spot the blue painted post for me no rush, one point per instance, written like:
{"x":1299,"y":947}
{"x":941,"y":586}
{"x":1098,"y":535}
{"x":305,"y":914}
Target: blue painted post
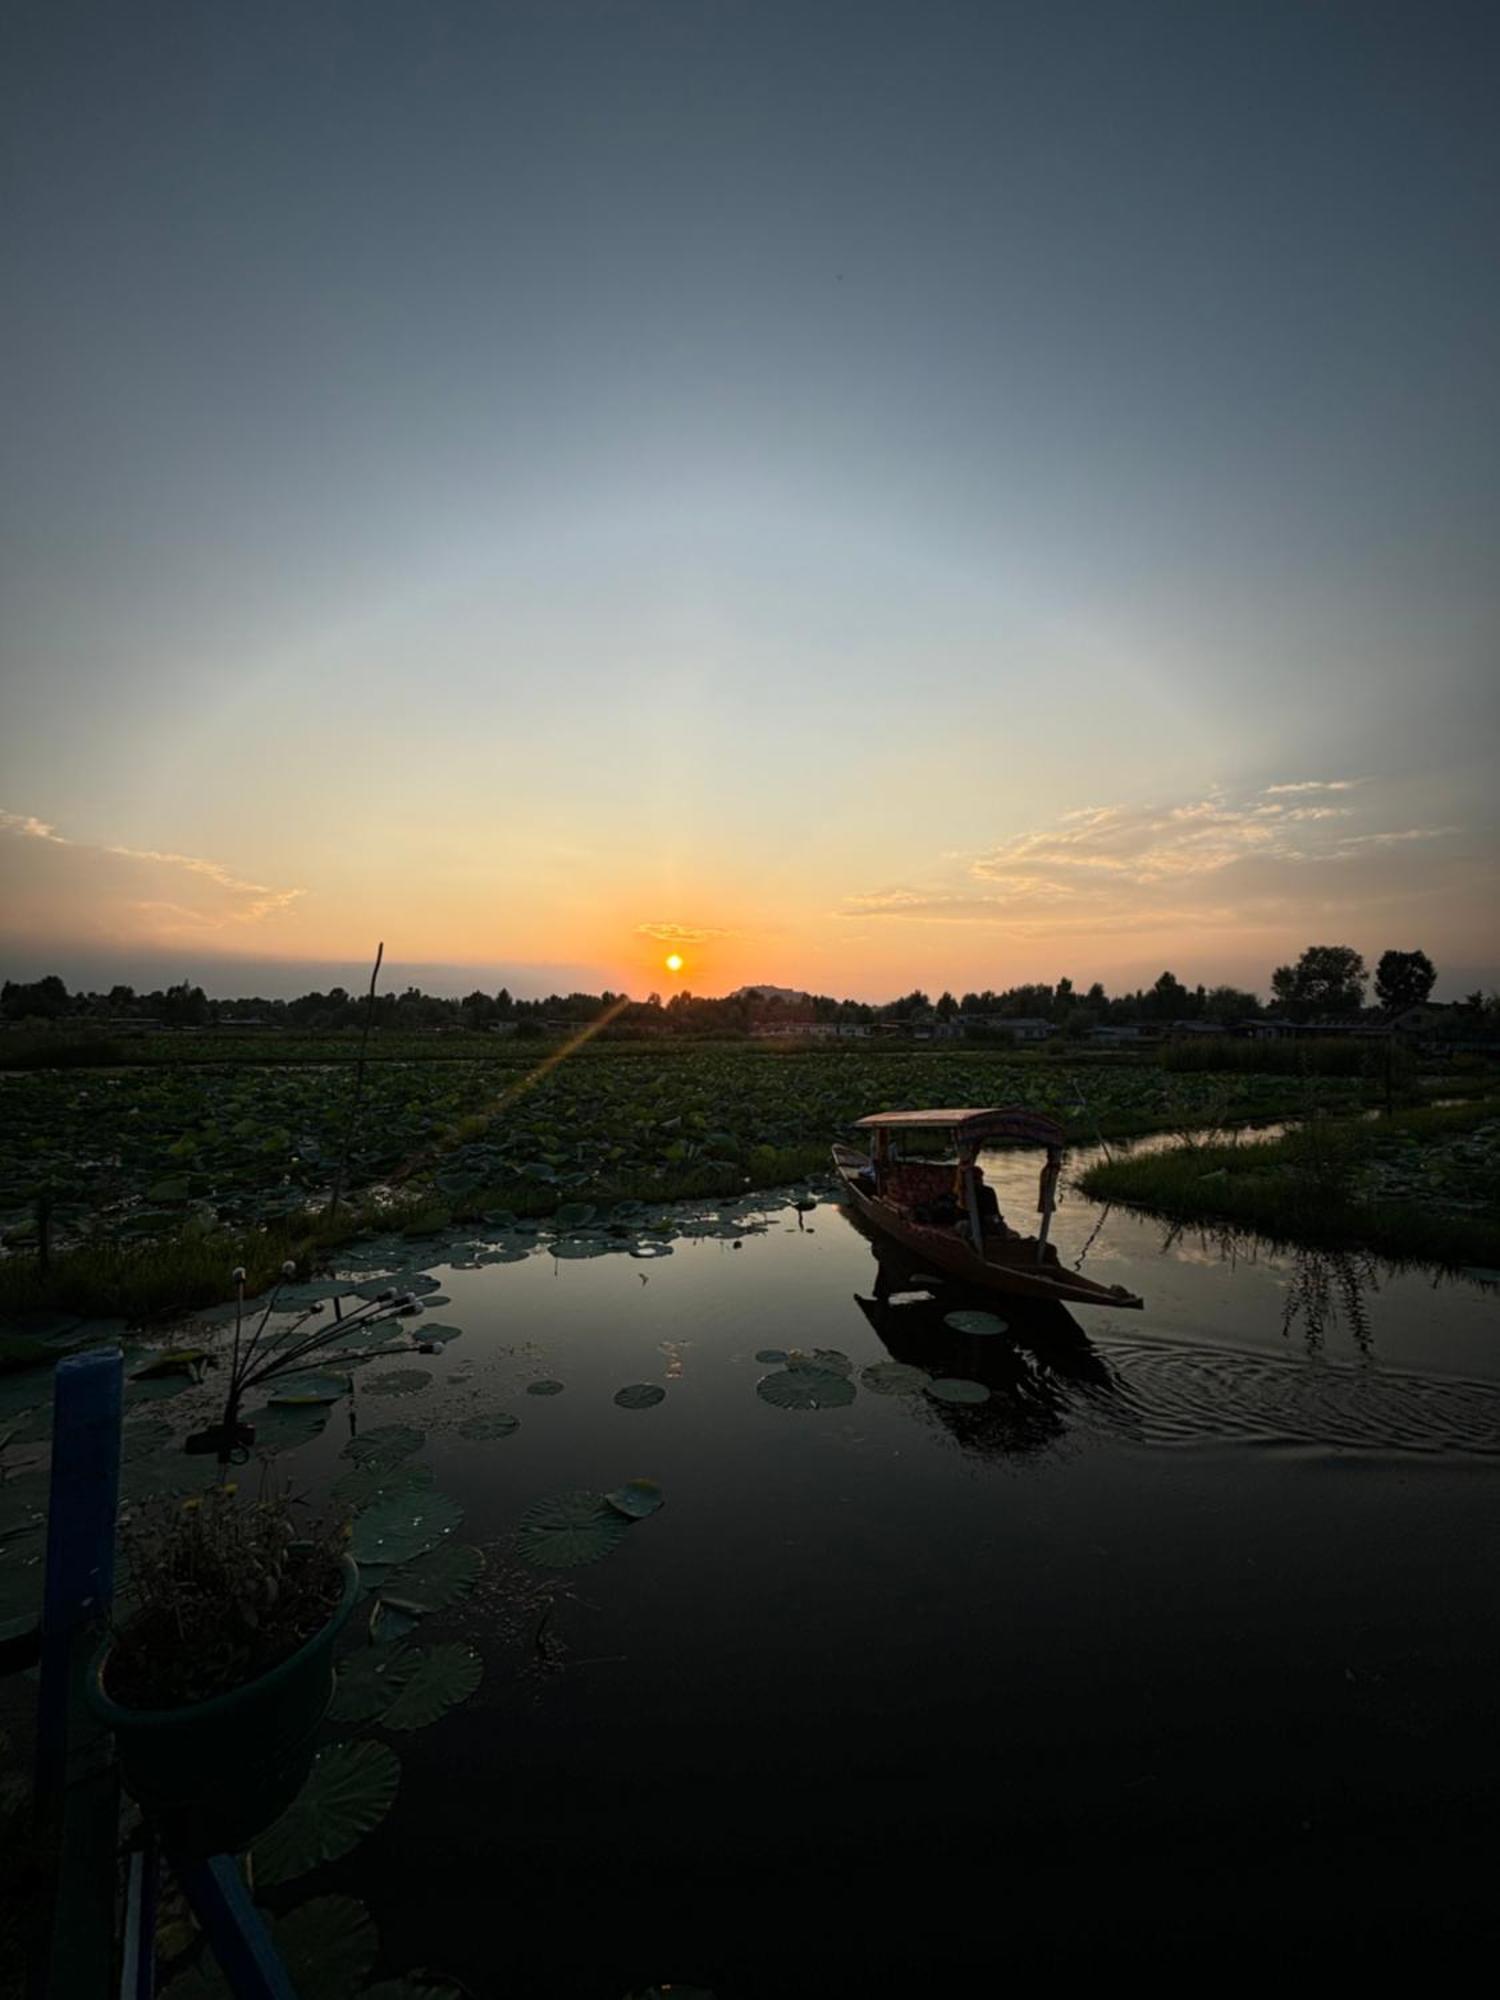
{"x":87,"y":1395}
{"x":233,"y":1926}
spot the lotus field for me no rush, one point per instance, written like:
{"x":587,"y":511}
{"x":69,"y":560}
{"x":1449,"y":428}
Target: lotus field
{"x":144,"y":1153}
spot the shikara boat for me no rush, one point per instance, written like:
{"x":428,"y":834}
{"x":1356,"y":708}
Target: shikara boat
{"x":920,"y":1184}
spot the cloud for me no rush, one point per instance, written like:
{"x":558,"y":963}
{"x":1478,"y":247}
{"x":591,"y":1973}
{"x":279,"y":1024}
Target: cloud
{"x":73,"y":888}
{"x":1259,"y":860}
{"x":1316,"y":785}
{"x":680,"y":933}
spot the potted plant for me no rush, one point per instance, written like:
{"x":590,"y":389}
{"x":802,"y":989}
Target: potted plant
{"x":217,"y":1676}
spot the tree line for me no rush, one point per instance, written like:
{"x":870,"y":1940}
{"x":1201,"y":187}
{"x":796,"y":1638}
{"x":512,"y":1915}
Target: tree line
{"x":1328,"y":982}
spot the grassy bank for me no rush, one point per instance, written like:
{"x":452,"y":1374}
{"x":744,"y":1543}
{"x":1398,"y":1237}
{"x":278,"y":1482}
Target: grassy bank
{"x":1422,"y":1185}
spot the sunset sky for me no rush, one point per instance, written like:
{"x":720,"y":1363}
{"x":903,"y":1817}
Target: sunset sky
{"x":856,"y":495}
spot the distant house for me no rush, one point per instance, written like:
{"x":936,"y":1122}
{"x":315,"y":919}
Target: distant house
{"x":503,"y":1027}
{"x":1267,"y":1028}
{"x":805,"y":1031}
{"x":1127,"y":1034}
{"x":1187,"y":1030}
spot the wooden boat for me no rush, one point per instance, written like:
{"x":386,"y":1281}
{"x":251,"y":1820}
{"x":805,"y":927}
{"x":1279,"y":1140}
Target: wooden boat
{"x":921,"y":1185}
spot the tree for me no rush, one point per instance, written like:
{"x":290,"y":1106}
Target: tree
{"x":1328,"y":979}
{"x":1403,"y":979}
{"x":1168,"y":999}
{"x":947,"y":1007}
{"x":43,"y":1000}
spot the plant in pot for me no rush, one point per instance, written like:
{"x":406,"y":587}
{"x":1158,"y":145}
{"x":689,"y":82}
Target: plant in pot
{"x":218,"y":1673}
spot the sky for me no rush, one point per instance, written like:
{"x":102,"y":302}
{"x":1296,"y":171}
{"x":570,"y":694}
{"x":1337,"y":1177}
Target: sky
{"x":853,"y":495}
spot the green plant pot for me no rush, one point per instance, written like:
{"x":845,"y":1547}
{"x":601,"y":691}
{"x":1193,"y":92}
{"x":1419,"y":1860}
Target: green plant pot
{"x":213,"y":1775}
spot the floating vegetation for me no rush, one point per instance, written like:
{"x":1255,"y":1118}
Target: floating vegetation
{"x":803,"y":1386}
{"x":440,"y":1678}
{"x":957,"y":1389}
{"x":293,"y":1391}
{"x":351,"y":1788}
{"x":636,"y":1499}
{"x":546,"y":1387}
{"x":369,"y":1681}
{"x":398,"y":1526}
{"x":433,"y":1581}
{"x":569,"y":1530}
{"x":894,"y":1378}
{"x":489,"y":1424}
{"x":980,"y":1324}
{"x":770,"y":1357}
{"x":640,"y":1395}
{"x":397,"y":1382}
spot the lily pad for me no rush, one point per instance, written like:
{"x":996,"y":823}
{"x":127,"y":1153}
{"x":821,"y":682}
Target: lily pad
{"x":435,"y":1330}
{"x":363,"y":1484}
{"x":389,"y":1442}
{"x":980,"y":1323}
{"x":957,"y":1389}
{"x":369,"y":1682}
{"x":489,"y":1424}
{"x":569,"y":1530}
{"x":296,"y":1390}
{"x":283,"y":1426}
{"x":894,"y":1378}
{"x":399,"y":1526}
{"x":833,"y":1359}
{"x":184,"y":1361}
{"x":574,"y":1215}
{"x":546,"y":1387}
{"x":771,"y":1357}
{"x":636,"y":1499}
{"x":350,"y":1790}
{"x":434,"y":1581}
{"x":397,"y":1382}
{"x":328,"y":1947}
{"x":801,"y":1387}
{"x":443,"y":1677}
{"x":640,"y":1395}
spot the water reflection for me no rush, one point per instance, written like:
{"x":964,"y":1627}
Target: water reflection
{"x":1029,"y":1370}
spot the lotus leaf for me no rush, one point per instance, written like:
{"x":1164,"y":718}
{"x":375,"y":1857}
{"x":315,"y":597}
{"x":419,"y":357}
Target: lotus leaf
{"x":569,"y":1530}
{"x":489,"y":1424}
{"x":639,"y":1395}
{"x":398,"y":1382}
{"x":956,"y":1389}
{"x":399,"y":1526}
{"x":439,"y":1578}
{"x":982,"y":1324}
{"x":351,"y":1788}
{"x":293,"y":1391}
{"x":545,"y":1387}
{"x":443,"y":1677}
{"x":368,"y":1682}
{"x":636,"y":1498}
{"x":802,"y":1387}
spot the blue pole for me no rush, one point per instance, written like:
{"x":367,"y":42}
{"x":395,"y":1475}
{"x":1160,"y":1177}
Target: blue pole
{"x":87,"y":1395}
{"x":234,"y":1929}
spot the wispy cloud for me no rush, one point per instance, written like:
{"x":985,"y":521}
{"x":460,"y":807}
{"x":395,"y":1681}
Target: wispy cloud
{"x":680,"y":933}
{"x":111,"y":876}
{"x":1254,"y":860}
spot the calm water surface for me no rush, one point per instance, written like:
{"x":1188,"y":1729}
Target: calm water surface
{"x":1179,"y":1652}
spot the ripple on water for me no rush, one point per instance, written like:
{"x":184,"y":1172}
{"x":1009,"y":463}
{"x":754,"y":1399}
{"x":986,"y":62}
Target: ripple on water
{"x":1169,"y":1395}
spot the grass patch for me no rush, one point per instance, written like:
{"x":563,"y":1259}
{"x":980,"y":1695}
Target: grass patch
{"x":1342,"y":1182}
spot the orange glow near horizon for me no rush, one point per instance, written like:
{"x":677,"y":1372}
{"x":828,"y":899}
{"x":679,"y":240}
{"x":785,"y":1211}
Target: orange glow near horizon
{"x":673,"y":961}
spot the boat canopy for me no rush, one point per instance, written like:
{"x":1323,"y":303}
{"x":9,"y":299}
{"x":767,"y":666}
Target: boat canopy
{"x":972,"y":1128}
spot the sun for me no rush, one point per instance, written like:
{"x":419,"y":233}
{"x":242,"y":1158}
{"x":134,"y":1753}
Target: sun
{"x":673,"y":961}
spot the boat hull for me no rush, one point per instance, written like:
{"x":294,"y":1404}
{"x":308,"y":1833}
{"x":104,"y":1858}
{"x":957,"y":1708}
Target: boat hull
{"x":1012,"y":1267}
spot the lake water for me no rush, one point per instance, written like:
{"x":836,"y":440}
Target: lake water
{"x":1178,"y":1652}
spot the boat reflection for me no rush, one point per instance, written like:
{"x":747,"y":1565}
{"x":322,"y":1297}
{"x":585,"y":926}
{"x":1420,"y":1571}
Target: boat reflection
{"x":1034,"y":1371}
